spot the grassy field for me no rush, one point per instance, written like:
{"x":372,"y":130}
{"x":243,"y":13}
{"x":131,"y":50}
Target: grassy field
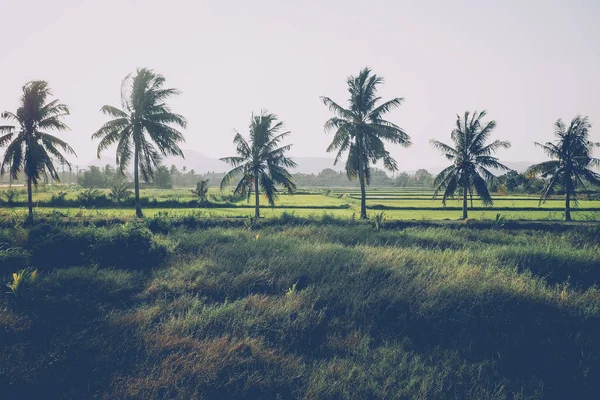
{"x":401,"y":204}
{"x":314,"y":310}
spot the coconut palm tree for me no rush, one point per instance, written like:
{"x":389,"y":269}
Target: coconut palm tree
{"x":30,"y":148}
{"x":471,"y":159}
{"x":143,"y":128}
{"x":572,"y":161}
{"x":260,"y":162}
{"x":361,"y":130}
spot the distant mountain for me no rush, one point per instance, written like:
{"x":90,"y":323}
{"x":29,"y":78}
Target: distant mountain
{"x":193,"y":160}
{"x":314,"y":165}
{"x":306,"y":165}
{"x":202,"y":164}
{"x":196,"y":161}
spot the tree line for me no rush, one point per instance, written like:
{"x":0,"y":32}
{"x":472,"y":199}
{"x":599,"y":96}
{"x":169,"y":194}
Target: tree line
{"x":145,"y":129}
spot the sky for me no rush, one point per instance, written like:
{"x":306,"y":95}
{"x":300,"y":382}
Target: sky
{"x":527,"y":63}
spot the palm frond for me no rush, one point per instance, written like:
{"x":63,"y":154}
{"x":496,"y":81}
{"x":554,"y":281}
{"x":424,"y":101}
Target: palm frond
{"x":384,"y":108}
{"x":338,"y":110}
{"x":114,"y":112}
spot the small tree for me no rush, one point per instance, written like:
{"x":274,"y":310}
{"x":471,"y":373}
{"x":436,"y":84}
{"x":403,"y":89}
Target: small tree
{"x":162,"y":178}
{"x":201,"y":191}
{"x":10,"y":195}
{"x":120,"y":192}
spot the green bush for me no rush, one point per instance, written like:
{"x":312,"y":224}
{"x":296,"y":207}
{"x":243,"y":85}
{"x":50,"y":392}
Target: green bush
{"x":125,"y":246}
{"x":11,"y":260}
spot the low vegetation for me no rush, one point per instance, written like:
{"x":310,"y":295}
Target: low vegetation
{"x":295,"y":308}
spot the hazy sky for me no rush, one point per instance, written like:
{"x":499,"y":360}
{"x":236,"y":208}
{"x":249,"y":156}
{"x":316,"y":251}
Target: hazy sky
{"x":526,"y":62}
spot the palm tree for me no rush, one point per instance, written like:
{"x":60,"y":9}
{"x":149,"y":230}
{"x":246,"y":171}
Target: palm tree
{"x":30,"y":148}
{"x":143,"y":128}
{"x":471,"y":160}
{"x":571,"y":163}
{"x":260,"y":162}
{"x":119,"y":192}
{"x":361,"y":130}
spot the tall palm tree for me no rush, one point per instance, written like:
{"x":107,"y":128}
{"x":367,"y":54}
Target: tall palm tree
{"x":30,"y":148}
{"x":260,"y":162}
{"x":471,"y":160}
{"x":143,"y":129}
{"x":361,"y":130}
{"x":571,"y":163}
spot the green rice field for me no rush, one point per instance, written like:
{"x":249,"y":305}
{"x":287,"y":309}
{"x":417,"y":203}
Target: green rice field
{"x":396,"y":204}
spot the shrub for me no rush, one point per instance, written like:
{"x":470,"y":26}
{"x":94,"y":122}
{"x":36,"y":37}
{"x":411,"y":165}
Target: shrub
{"x":21,"y":280}
{"x":201,"y":190}
{"x":59,"y":199}
{"x":126,"y":246}
{"x":120,"y":192}
{"x":12,"y":259}
{"x":10,"y":195}
{"x":88,"y":196}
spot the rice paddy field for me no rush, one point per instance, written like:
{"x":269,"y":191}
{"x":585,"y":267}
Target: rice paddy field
{"x":397,"y":204}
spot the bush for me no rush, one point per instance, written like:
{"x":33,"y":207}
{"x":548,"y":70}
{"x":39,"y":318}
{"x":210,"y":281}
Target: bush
{"x":126,"y":246}
{"x":11,"y":260}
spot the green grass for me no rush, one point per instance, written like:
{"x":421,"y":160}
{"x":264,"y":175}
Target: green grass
{"x":270,"y":213}
{"x":312,"y":310}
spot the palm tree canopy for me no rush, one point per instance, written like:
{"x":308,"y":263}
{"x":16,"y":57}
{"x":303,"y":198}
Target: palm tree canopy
{"x":572,"y":160}
{"x":261,"y":158}
{"x":144,"y":122}
{"x":361,"y":128}
{"x":471,"y":158}
{"x":30,"y":147}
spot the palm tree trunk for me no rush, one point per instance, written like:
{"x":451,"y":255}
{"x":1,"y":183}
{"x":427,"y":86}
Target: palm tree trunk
{"x":465,"y":203}
{"x":257,"y":198}
{"x":136,"y":184}
{"x":568,"y":206}
{"x":471,"y":196}
{"x":363,"y":195}
{"x":29,"y":200}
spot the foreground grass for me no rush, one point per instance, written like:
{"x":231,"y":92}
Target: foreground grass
{"x":312,"y":311}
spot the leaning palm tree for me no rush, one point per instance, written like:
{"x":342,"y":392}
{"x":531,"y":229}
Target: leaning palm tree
{"x":572,"y":161}
{"x":361,"y":130}
{"x":30,"y":148}
{"x":471,"y":160}
{"x":260,"y":162}
{"x":143,"y":128}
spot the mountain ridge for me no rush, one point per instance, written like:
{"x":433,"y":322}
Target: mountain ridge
{"x":201,"y":163}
